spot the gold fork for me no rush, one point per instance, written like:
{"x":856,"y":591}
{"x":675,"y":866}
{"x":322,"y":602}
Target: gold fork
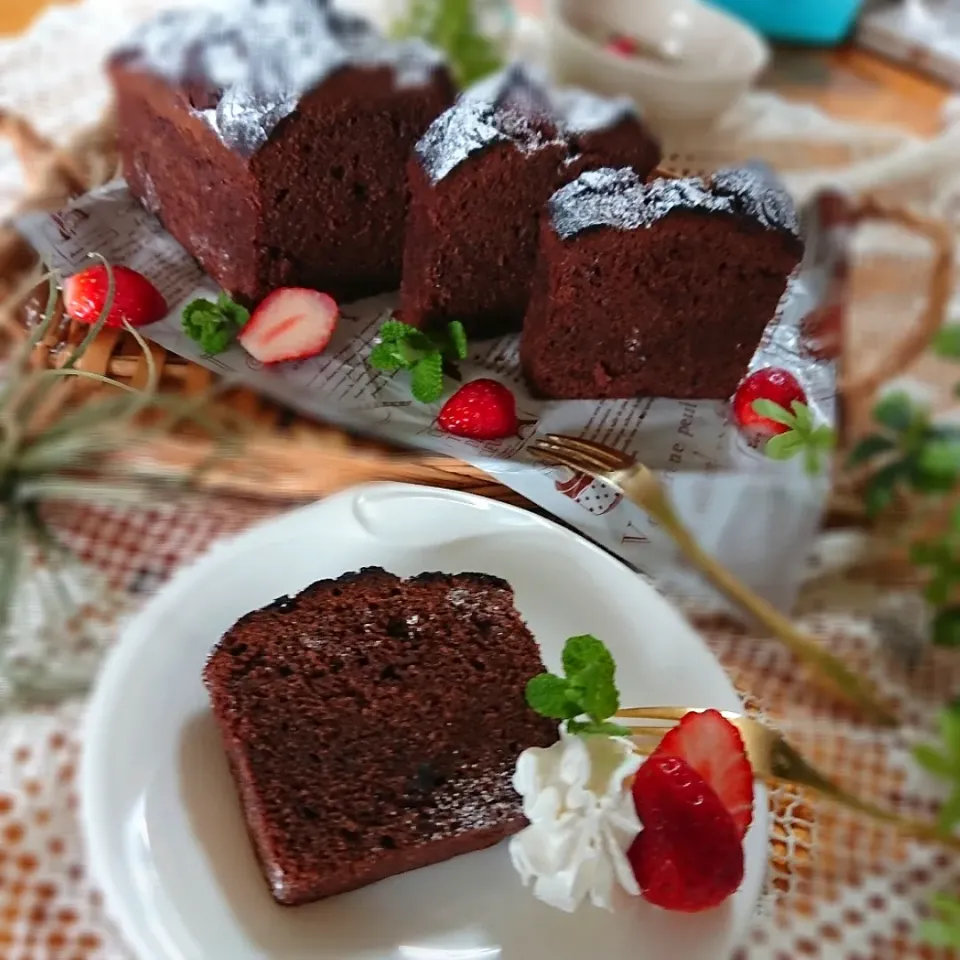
{"x":641,"y":486}
{"x":772,"y":758}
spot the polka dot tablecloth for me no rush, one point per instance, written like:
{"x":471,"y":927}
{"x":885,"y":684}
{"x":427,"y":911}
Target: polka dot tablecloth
{"x":839,"y":886}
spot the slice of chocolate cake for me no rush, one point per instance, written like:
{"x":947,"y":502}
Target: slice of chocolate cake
{"x":479,"y":180}
{"x":271,"y":138}
{"x":660,"y":289}
{"x":372,"y":725}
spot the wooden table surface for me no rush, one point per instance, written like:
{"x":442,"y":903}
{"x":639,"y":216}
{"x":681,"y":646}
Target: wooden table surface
{"x":850,"y":83}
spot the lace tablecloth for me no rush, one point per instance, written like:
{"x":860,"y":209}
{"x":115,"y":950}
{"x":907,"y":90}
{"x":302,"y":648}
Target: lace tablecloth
{"x":839,"y":887}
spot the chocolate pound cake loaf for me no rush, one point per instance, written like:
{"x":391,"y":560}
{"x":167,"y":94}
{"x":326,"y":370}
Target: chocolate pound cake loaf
{"x":373,"y":724}
{"x":479,"y":180}
{"x":271,"y":138}
{"x":658,"y":289}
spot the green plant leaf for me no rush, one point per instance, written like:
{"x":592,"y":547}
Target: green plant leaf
{"x":803,"y":416}
{"x":870,"y":447}
{"x":550,"y":696}
{"x":881,"y":488}
{"x":599,"y":696}
{"x":426,"y":379}
{"x":947,"y":342}
{"x":941,"y":458}
{"x":385,"y":356}
{"x":939,"y":933}
{"x":783,"y":446}
{"x":773,"y":411}
{"x":583,"y":651}
{"x":895,"y":411}
{"x":590,"y":728}
{"x":458,"y":339}
{"x":949,"y":814}
{"x":933,"y":761}
{"x":946,"y":627}
{"x":213,"y":325}
{"x":949,"y":720}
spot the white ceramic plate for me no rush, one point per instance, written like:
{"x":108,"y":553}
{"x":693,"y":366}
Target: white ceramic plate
{"x":165,"y":836}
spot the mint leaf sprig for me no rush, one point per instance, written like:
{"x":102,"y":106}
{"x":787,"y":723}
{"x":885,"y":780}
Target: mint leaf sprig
{"x":214,"y":325}
{"x":402,"y":347}
{"x":587,"y":691}
{"x":454,"y":27}
{"x":804,"y":436}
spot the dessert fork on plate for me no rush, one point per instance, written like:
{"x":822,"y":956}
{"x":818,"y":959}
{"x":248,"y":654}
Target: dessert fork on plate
{"x":641,"y":486}
{"x":772,"y":758}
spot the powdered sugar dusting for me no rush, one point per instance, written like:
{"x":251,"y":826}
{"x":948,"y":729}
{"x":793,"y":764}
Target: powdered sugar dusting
{"x":246,"y":64}
{"x":518,"y":106}
{"x":478,"y":797}
{"x":620,"y":199}
{"x":583,"y":112}
{"x":470,"y":126}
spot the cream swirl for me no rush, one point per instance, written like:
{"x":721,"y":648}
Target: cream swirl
{"x":582,"y":820}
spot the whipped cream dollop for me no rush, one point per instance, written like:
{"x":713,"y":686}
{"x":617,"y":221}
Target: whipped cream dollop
{"x":582,"y":820}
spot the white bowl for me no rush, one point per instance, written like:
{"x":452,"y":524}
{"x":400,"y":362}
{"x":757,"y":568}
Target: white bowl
{"x":711,"y":58}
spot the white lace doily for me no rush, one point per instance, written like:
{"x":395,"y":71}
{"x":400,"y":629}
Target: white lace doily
{"x":839,"y":888}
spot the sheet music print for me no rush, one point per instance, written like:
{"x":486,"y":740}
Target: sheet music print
{"x":717,"y":480}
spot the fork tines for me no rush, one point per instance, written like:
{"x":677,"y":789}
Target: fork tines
{"x":583,"y":455}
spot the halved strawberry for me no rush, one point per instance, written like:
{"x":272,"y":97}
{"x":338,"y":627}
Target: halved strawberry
{"x":291,"y":324}
{"x":714,"y":748}
{"x":688,"y":856}
{"x":135,"y":299}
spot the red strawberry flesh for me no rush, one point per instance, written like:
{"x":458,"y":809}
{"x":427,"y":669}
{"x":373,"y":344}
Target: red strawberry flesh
{"x":293,"y":323}
{"x":770,"y":383}
{"x":714,"y":748}
{"x":136,"y":300}
{"x":622,"y":46}
{"x":480,"y":410}
{"x":688,"y":857}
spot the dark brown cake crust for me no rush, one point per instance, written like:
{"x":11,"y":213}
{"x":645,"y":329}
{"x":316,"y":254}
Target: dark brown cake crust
{"x":373,"y":724}
{"x":479,"y":181}
{"x":660,"y":289}
{"x":275,"y":150}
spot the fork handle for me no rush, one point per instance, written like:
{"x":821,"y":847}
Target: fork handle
{"x":855,"y":689}
{"x":909,"y":827}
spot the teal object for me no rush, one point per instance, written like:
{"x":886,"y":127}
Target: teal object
{"x":821,"y":22}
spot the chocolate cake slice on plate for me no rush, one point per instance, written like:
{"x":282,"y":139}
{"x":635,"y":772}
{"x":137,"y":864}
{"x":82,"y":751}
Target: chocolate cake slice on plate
{"x":479,"y":180}
{"x":659,"y":289}
{"x":271,"y":138}
{"x":372,"y":725}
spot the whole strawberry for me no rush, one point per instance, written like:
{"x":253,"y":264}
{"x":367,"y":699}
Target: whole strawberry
{"x":480,"y":410}
{"x":688,"y":857}
{"x":135,"y":299}
{"x":773,"y":384}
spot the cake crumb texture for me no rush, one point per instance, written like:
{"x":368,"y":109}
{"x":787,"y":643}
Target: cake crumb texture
{"x":373,"y":724}
{"x":659,"y":289}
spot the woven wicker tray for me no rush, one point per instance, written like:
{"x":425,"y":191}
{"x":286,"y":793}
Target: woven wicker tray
{"x":290,"y":457}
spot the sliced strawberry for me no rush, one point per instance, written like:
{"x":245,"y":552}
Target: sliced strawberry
{"x":688,"y":856}
{"x":291,"y":324}
{"x":135,"y":299}
{"x":714,"y":748}
{"x":771,"y":383}
{"x":480,"y":410}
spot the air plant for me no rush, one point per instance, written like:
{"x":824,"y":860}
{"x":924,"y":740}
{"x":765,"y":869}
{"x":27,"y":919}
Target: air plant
{"x":60,"y":444}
